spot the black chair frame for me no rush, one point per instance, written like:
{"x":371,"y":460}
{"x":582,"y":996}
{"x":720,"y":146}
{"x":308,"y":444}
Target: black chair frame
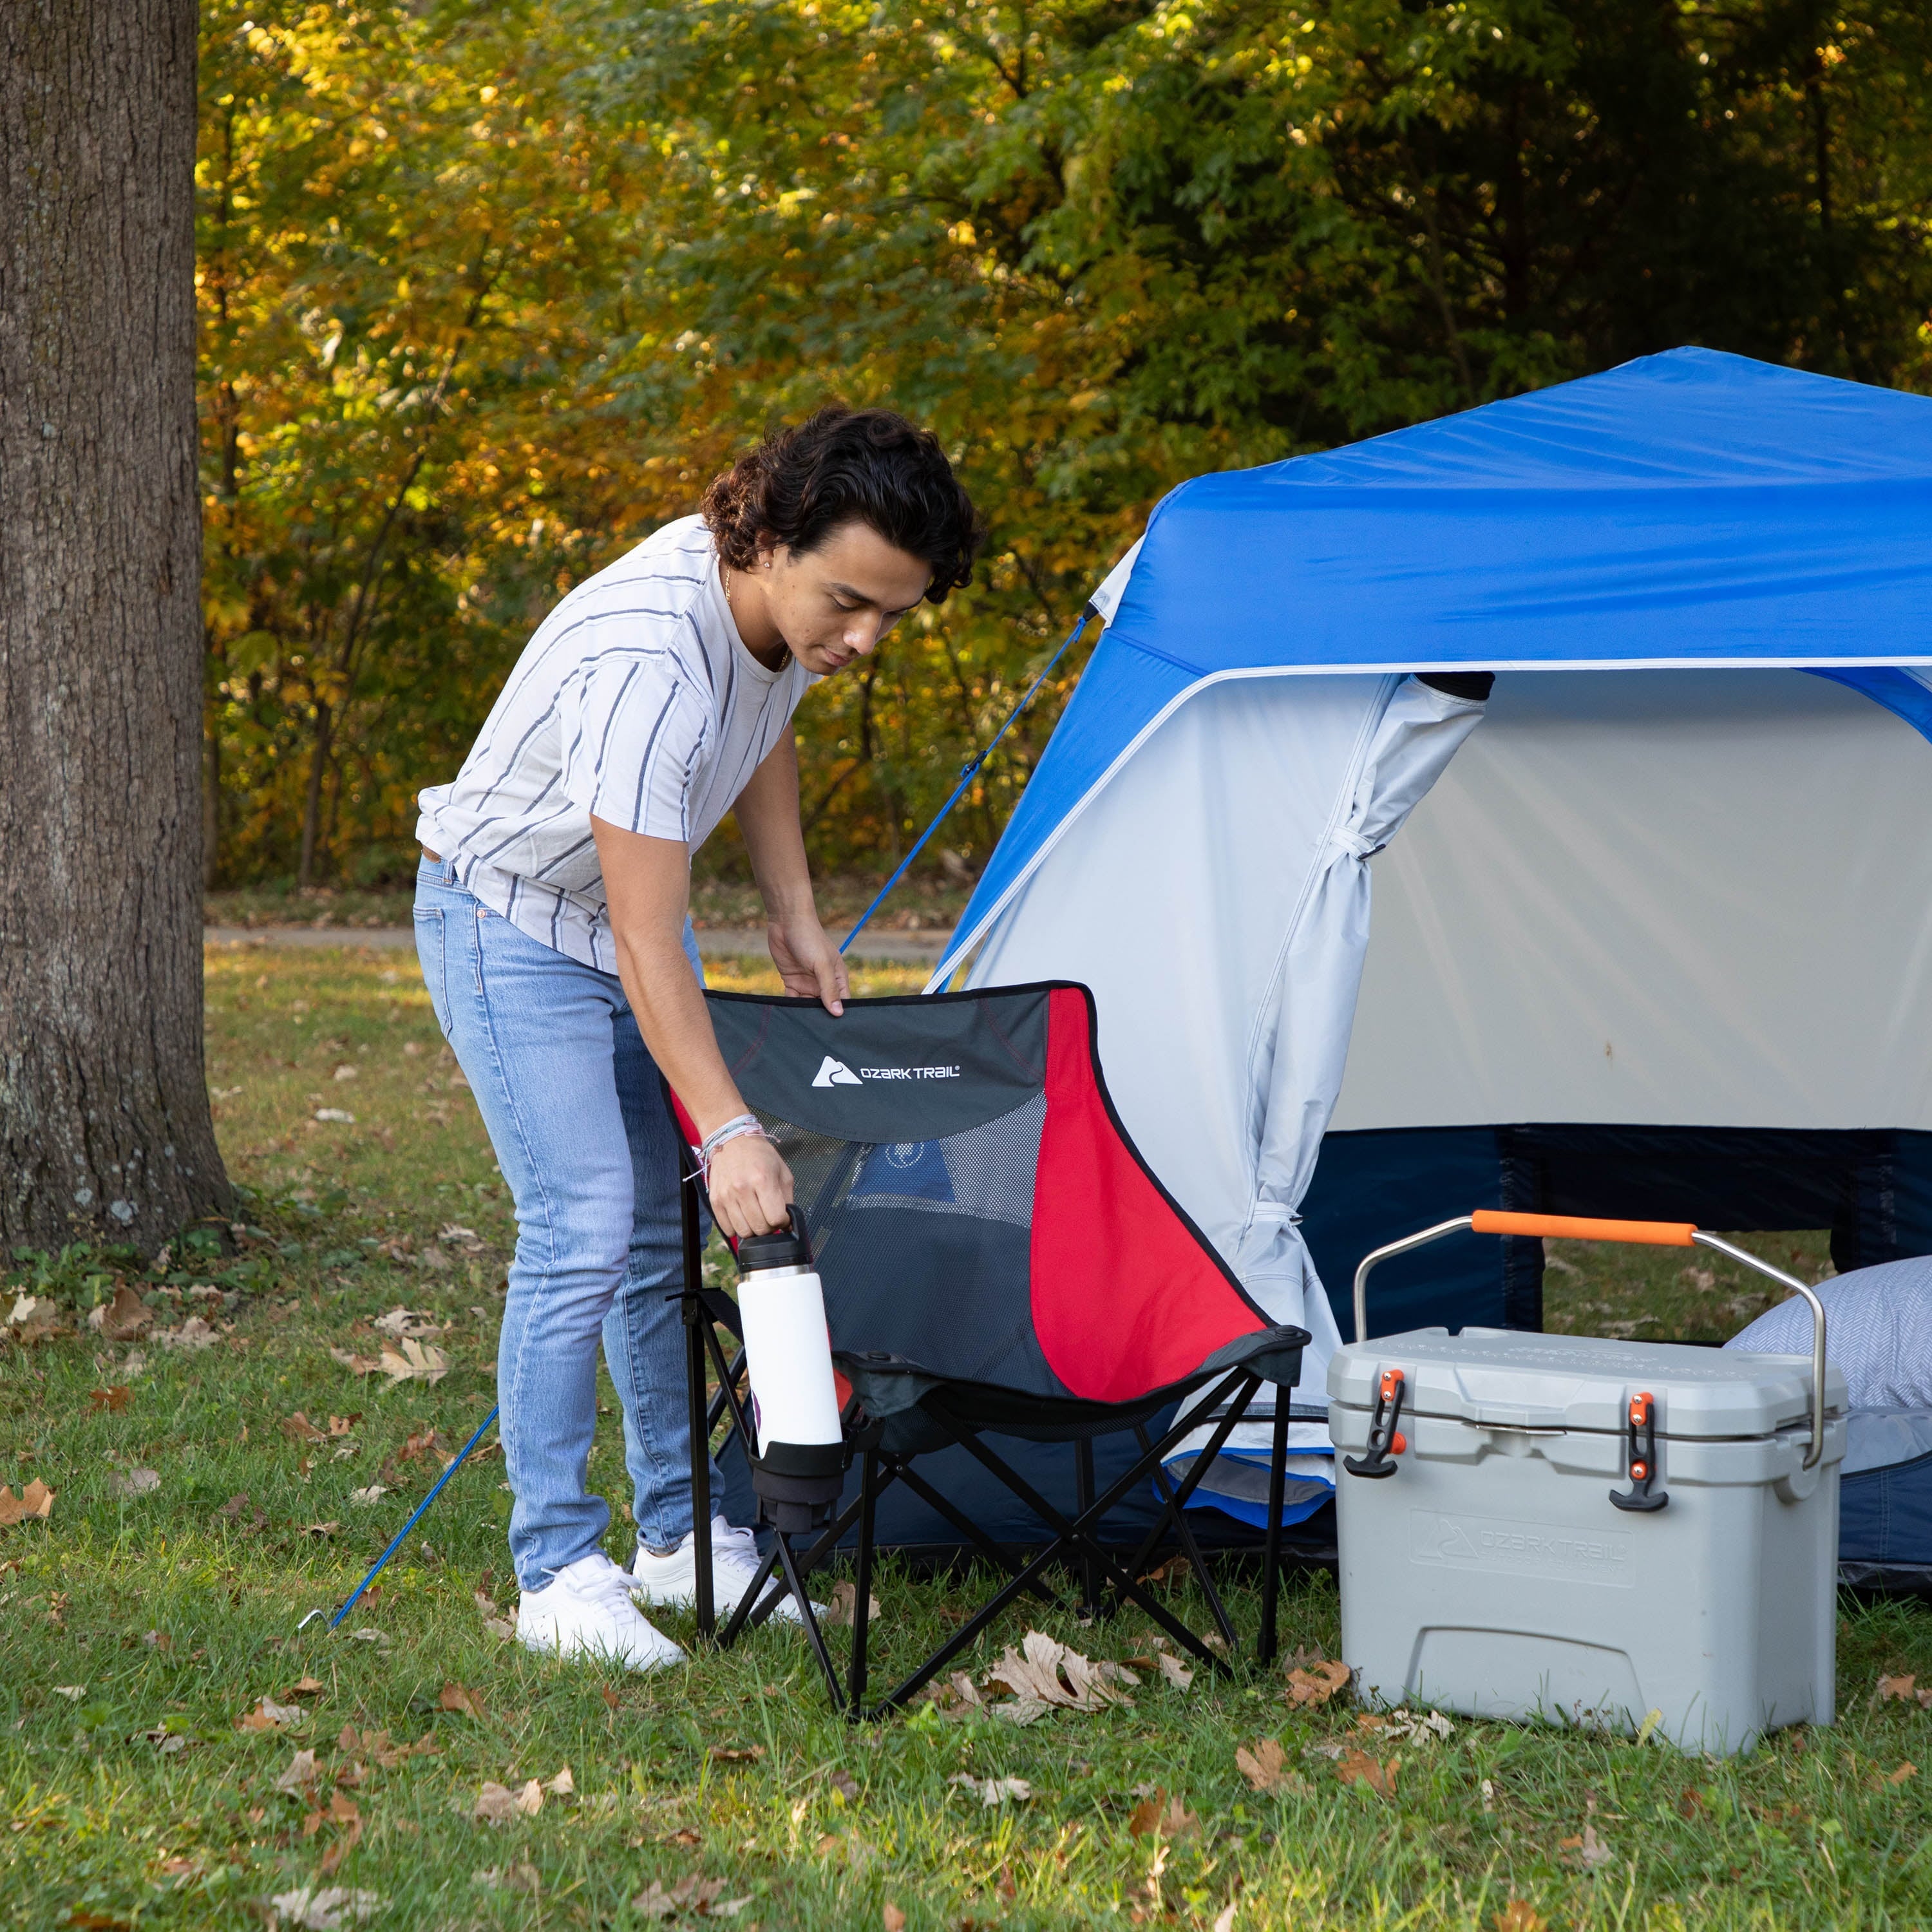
{"x":1105,"y":1582}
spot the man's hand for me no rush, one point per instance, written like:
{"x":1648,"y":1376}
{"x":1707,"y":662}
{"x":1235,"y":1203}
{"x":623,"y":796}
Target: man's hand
{"x":751,"y":1186}
{"x":809,"y":963}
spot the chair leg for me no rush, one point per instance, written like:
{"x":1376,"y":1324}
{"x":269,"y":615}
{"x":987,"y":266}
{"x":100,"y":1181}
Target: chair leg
{"x":862,"y":1600}
{"x":1083,"y":1490}
{"x":815,"y":1635}
{"x":699,"y":1418}
{"x":1190,"y":1549}
{"x":1265,"y":1641}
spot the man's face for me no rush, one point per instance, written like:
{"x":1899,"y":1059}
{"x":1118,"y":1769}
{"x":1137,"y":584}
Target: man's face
{"x":832,"y":604}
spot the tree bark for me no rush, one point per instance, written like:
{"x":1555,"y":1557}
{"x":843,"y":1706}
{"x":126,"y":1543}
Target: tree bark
{"x":105,"y":1130}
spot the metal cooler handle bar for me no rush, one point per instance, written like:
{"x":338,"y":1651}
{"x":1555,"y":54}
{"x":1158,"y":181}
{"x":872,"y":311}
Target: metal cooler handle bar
{"x":1648,"y":1234}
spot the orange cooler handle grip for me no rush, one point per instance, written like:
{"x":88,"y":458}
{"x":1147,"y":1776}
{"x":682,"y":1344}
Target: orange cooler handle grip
{"x":1584,"y":1228}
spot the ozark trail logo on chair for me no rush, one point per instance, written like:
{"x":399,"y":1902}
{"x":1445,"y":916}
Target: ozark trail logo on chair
{"x":836,"y":1073}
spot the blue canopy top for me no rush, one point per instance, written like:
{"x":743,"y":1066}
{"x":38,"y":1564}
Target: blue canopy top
{"x":1688,"y":509}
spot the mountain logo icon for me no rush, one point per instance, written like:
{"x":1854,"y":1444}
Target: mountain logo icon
{"x":836,"y":1073}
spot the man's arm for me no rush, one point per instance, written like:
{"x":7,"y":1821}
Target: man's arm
{"x":767,"y":813}
{"x":647,"y":882}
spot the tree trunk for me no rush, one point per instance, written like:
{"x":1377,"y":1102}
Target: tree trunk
{"x":104,"y":1123}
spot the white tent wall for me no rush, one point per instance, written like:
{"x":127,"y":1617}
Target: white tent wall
{"x":1658,"y":897}
{"x":1214,"y":894}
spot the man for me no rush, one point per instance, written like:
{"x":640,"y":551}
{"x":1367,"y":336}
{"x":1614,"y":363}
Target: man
{"x":551,"y":924}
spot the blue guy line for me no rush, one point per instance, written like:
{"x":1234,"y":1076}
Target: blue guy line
{"x":396,"y":1541}
{"x":967,"y":773}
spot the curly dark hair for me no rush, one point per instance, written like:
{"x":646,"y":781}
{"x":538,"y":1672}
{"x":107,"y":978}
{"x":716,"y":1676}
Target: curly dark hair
{"x":847,"y":466}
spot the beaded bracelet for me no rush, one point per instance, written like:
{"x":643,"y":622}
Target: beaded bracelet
{"x":734,"y":1129}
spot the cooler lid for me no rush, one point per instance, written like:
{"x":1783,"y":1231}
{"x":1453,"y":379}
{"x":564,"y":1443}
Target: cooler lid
{"x":1505,"y":1377}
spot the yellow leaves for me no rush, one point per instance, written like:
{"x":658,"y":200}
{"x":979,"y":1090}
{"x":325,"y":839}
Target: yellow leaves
{"x":35,"y":1503}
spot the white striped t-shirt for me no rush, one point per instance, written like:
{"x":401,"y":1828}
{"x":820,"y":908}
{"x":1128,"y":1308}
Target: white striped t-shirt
{"x":636,"y":700}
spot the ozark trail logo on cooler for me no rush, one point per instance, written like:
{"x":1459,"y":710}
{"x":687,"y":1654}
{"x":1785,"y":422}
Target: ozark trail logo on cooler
{"x":835,"y":1073}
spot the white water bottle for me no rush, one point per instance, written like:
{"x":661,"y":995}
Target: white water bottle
{"x":789,"y":1355}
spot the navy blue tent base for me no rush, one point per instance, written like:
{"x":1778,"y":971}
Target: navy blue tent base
{"x":1872,"y":1188}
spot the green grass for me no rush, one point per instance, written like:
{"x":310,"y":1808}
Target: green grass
{"x":172,"y":1613}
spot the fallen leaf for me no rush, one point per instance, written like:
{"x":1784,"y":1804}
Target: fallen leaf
{"x":36,"y":1501}
{"x":728,"y":1754}
{"x":326,"y":1910}
{"x":562,"y":1785}
{"x":361,"y":1365}
{"x":844,"y":1606}
{"x":1429,"y":1729}
{"x":1176,"y":1673}
{"x":842,"y":1781}
{"x":992,"y":1791}
{"x":1358,"y":1768}
{"x":460,"y":1698}
{"x":297,"y":1428}
{"x":1899,"y":1776}
{"x":306,"y":1688}
{"x":367,"y":1498}
{"x":1519,"y":1915}
{"x":193,"y":1335}
{"x":609,"y":1696}
{"x":696,"y":1895}
{"x":36,"y":1317}
{"x":1044,"y":1675}
{"x":1159,"y":1817}
{"x":340,"y":1115}
{"x":1317,"y":1683}
{"x":1224,"y":1920}
{"x":111,"y":1400}
{"x":503,"y":1631}
{"x":891,"y":1918}
{"x":130,"y":1482}
{"x":298,"y":1778}
{"x":417,"y":1363}
{"x":1266,"y":1768}
{"x":497,"y":1804}
{"x":399,"y":1322}
{"x":73,"y":1693}
{"x":321,"y":1531}
{"x":1589,"y":1851}
{"x":1904,"y":1690}
{"x":1175,"y":1570}
{"x":511,"y":1878}
{"x":269,"y":1716}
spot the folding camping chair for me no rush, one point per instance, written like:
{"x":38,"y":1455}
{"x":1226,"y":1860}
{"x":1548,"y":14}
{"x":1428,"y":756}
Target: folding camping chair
{"x":995,"y":1255}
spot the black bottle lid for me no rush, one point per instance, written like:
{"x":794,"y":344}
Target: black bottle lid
{"x":783,"y":1247}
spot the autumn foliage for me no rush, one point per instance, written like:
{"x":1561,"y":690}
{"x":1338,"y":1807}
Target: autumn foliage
{"x":486,"y":293}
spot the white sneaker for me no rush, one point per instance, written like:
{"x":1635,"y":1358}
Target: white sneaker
{"x":672,"y":1580}
{"x":588,"y":1610}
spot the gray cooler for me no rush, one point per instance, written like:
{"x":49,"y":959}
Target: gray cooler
{"x":1588,"y":1532}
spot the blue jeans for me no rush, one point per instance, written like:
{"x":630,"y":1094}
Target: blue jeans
{"x":576,"y":1114}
